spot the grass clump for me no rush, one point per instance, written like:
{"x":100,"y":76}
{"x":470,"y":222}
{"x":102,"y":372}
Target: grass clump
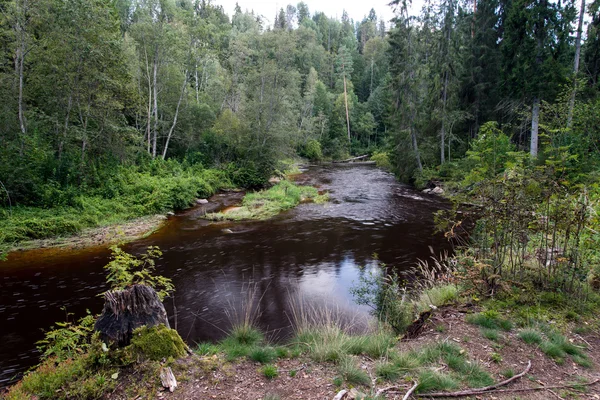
{"x":530,"y":336}
{"x":555,"y":346}
{"x":438,"y":296}
{"x":268,"y":203}
{"x":270,"y":371}
{"x":432,"y":381}
{"x":351,"y":373}
{"x":263,"y":355}
{"x":489,"y":320}
{"x":491,"y":334}
{"x":388,"y":371}
{"x":206,"y":349}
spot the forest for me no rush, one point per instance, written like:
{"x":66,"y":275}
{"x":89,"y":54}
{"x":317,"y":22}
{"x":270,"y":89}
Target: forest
{"x":113,"y":110}
{"x":125,"y":108}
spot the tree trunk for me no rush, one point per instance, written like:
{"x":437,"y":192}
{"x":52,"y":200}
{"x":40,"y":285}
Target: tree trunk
{"x":346,"y":102}
{"x":413,"y":135}
{"x":443,"y":132}
{"x":128,"y":309}
{"x":183,"y":87}
{"x":576,"y":64}
{"x":155,"y":101}
{"x":535,"y":123}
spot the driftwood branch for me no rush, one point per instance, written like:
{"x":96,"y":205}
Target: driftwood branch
{"x":410,"y":391}
{"x":570,"y":386}
{"x":473,"y":392}
{"x":168,"y":379}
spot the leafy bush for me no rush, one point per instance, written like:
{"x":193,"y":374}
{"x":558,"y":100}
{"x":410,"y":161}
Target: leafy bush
{"x":125,"y":270}
{"x":382,"y":160}
{"x":312,"y":150}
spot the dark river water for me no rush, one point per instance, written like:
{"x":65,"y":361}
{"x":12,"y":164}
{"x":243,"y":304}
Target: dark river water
{"x":314,"y":252}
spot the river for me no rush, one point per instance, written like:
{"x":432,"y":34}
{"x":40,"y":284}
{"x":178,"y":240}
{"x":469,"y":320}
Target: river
{"x":315,"y":252}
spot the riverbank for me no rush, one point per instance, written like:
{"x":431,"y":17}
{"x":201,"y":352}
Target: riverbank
{"x":131,"y":202}
{"x":464,"y":351}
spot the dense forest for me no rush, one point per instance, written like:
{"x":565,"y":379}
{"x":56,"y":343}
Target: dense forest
{"x":149,"y":103}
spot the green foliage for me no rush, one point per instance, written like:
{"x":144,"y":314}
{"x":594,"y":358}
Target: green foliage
{"x":382,"y":160}
{"x":387,"y":298}
{"x":125,"y":270}
{"x":312,"y":150}
{"x":67,"y":340}
{"x":157,"y":343}
{"x":68,"y":379}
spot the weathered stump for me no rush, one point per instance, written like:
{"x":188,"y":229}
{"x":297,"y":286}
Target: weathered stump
{"x":128,"y":309}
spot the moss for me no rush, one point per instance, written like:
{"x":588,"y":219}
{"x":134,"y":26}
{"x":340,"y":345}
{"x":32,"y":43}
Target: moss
{"x":157,"y":342}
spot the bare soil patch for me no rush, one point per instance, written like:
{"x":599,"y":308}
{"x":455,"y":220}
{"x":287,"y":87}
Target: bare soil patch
{"x":213,"y":378}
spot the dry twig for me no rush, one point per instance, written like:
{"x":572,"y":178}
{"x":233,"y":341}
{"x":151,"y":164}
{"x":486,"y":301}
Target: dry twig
{"x":473,"y":392}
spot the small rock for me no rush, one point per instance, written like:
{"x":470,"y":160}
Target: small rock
{"x":202,"y":201}
{"x":227,"y":231}
{"x":427,"y":191}
{"x":437,"y":190}
{"x":170,"y":213}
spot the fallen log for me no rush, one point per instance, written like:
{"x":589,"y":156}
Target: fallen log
{"x":353,"y":159}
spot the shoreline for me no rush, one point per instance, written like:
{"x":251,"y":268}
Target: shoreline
{"x":128,"y":231}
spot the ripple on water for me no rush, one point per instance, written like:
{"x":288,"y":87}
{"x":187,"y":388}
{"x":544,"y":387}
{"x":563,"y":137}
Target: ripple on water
{"x":314,"y":252}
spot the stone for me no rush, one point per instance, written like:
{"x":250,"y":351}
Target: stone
{"x":437,"y":190}
{"x":274,"y":180}
{"x":202,"y":201}
{"x":170,"y":213}
{"x":426,"y":191}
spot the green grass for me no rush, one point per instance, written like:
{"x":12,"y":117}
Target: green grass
{"x":432,"y":381}
{"x":530,"y":336}
{"x":206,"y":349}
{"x":263,"y":355}
{"x":489,"y":320}
{"x":388,"y":371}
{"x":491,"y":334}
{"x":351,"y":373}
{"x":555,"y":345}
{"x":437,"y":296}
{"x":268,"y":203}
{"x":270,"y":371}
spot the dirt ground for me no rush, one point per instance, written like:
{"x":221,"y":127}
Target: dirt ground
{"x":211,"y":378}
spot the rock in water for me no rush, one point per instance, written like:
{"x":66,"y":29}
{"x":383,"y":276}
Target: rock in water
{"x":128,"y":309}
{"x":202,"y":201}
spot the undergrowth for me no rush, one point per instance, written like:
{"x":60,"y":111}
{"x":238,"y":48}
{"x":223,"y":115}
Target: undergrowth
{"x":268,"y":203}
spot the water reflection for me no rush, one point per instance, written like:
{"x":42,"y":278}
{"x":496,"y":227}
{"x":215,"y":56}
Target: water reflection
{"x":314,"y":252}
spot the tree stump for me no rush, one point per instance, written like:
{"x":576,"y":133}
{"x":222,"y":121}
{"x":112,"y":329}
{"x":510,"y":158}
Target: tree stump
{"x":128,"y":309}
